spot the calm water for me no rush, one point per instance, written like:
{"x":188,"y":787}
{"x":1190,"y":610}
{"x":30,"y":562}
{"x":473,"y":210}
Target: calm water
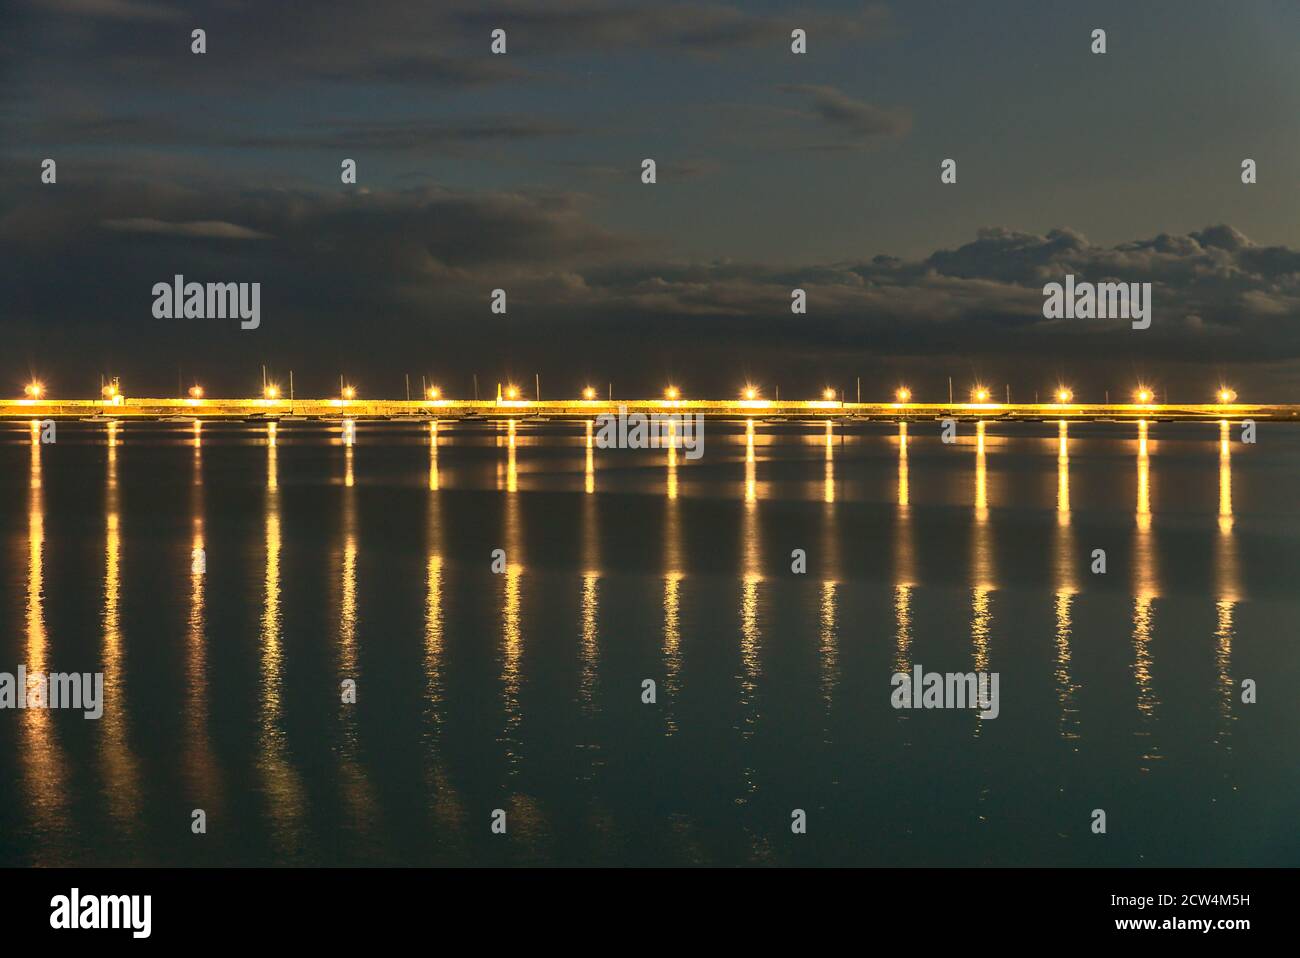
{"x":522,"y":690}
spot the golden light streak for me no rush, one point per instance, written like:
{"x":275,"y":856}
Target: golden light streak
{"x":1145,"y":593}
{"x":280,"y":781}
{"x":1229,"y":587}
{"x":589,"y":475}
{"x":1063,"y":473}
{"x":672,"y":460}
{"x":904,"y":489}
{"x":433,"y":456}
{"x":750,"y":630}
{"x":1065,"y":687}
{"x":751,"y":466}
{"x":1143,"y":480}
{"x":202,"y":769}
{"x":1066,"y":588}
{"x":981,"y":561}
{"x":1225,"y":478}
{"x":121,"y":781}
{"x":43,"y":760}
{"x":904,"y":563}
{"x":511,"y":626}
{"x":674,"y":573}
{"x":512,"y":465}
{"x":356,"y":788}
{"x":828,"y":483}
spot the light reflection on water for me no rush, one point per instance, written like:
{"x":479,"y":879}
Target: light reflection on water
{"x":610,"y":533}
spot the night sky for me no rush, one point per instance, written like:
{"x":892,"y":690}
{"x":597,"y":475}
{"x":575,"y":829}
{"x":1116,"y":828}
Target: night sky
{"x":775,"y":171}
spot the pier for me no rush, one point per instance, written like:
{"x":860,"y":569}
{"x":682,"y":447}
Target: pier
{"x":122,"y":407}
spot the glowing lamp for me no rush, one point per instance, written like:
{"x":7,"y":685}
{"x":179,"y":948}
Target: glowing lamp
{"x":196,"y":392}
{"x":349,"y":392}
{"x":271,"y":392}
{"x":1064,"y":395}
{"x":433,"y":392}
{"x":750,"y":393}
{"x":828,"y":394}
{"x":34,"y":390}
{"x":589,"y":393}
{"x":1143,"y":395}
{"x":512,"y":392}
{"x":1227,"y":395}
{"x":903,"y":394}
{"x":672,"y":392}
{"x":980,"y":394}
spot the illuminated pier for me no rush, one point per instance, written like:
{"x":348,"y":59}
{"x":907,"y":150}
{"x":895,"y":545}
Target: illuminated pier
{"x":276,"y":406}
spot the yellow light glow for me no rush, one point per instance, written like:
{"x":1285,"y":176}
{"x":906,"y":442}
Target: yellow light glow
{"x":979,"y":394}
{"x":434,"y":392}
{"x":349,"y":392}
{"x":750,"y":393}
{"x":903,"y":394}
{"x":1227,"y":395}
{"x":196,"y":392}
{"x":1143,"y":395}
{"x":271,"y":392}
{"x":828,"y":394}
{"x":512,"y":392}
{"x":589,"y":393}
{"x":672,"y":392}
{"x":110,"y":391}
{"x":1064,"y":395}
{"x":34,"y":390}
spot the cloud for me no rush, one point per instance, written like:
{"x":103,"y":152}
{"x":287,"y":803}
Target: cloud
{"x":416,"y":266}
{"x":854,"y":121}
{"x":205,"y":229}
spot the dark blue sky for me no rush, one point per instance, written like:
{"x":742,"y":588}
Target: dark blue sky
{"x":522,"y":172}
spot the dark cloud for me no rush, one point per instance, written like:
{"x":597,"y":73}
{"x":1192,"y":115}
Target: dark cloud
{"x":428,"y":258}
{"x":212,"y":229}
{"x":855,"y":120}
